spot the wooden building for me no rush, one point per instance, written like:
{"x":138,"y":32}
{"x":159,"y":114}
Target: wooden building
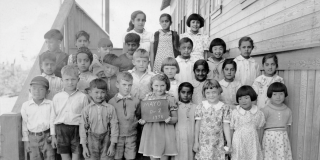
{"x":288,"y":28}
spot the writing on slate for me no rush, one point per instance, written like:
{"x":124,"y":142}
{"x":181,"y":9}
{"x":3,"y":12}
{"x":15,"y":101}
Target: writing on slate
{"x":155,"y":110}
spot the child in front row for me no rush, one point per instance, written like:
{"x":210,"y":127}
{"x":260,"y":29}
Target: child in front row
{"x":158,"y":140}
{"x":212,"y":124}
{"x":84,"y":59}
{"x":262,"y":83}
{"x":141,"y":75}
{"x":229,"y":85}
{"x":128,"y":112}
{"x":48,"y":66}
{"x":275,"y":142}
{"x":247,"y":122}
{"x":170,"y":67}
{"x":132,"y":42}
{"x":35,"y":121}
{"x":201,"y":70}
{"x":99,"y":128}
{"x":185,"y":125}
{"x":184,"y":61}
{"x":111,"y":68}
{"x":217,"y":48}
{"x":247,"y":67}
{"x":66,"y":114}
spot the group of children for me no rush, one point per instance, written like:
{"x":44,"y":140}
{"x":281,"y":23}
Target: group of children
{"x":218,"y":108}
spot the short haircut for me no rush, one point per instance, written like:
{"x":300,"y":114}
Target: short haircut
{"x":277,"y":87}
{"x":218,"y":42}
{"x":82,"y":33}
{"x":246,"y":91}
{"x":54,"y":34}
{"x":132,"y":37}
{"x":141,"y":53}
{"x":86,"y":51}
{"x":185,"y":40}
{"x":170,"y":61}
{"x":160,"y":77}
{"x":197,"y":17}
{"x":110,"y":58}
{"x":98,"y":83}
{"x":166,"y":15}
{"x":70,"y":70}
{"x":185,"y":84}
{"x":200,"y":62}
{"x":48,"y":55}
{"x":126,"y":76}
{"x":243,"y":39}
{"x":268,"y":56}
{"x":210,"y":84}
{"x":229,"y":61}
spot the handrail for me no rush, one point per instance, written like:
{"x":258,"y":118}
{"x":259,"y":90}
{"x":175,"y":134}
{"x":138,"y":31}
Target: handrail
{"x":35,"y":70}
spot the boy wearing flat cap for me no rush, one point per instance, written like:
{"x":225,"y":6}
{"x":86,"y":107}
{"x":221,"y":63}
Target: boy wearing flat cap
{"x":53,"y":40}
{"x":36,"y":121}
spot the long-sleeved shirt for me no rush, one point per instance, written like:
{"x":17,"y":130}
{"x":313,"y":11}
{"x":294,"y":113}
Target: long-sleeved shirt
{"x":247,"y":70}
{"x":35,"y":118}
{"x":140,"y":86}
{"x":67,"y":109}
{"x":100,"y":118}
{"x":127,"y":123}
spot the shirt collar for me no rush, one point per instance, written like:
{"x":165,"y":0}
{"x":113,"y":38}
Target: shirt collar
{"x":211,"y":60}
{"x":174,"y":82}
{"x":119,"y":97}
{"x":193,"y":33}
{"x":179,"y":59}
{"x":253,"y":110}
{"x":283,"y":107}
{"x":217,"y":106}
{"x":45,"y":101}
{"x":49,"y":76}
{"x":224,"y":83}
{"x":240,"y":58}
{"x":164,"y":33}
{"x":72,"y":92}
{"x":134,"y":69}
{"x":104,"y":103}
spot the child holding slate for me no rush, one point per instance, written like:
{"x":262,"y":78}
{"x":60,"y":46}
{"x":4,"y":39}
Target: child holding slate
{"x":158,"y":138}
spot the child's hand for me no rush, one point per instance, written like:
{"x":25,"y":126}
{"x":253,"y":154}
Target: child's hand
{"x":54,"y":141}
{"x":142,"y":122}
{"x":111,"y":150}
{"x":27,"y":146}
{"x":168,"y":120}
{"x":86,"y":153}
{"x":196,"y":147}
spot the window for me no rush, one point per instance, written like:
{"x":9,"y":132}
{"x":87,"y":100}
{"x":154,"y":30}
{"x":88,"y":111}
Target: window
{"x":215,"y":9}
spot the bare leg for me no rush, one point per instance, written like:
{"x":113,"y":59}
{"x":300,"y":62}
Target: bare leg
{"x":154,"y":158}
{"x":65,"y":156}
{"x":164,"y":157}
{"x":75,"y":156}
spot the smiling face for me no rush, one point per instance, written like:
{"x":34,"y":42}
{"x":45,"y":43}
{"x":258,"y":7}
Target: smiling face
{"x":269,"y":67}
{"x":165,"y":23}
{"x":195,"y":25}
{"x":277,"y":98}
{"x":132,"y":47}
{"x":38,"y":92}
{"x":185,"y":50}
{"x":245,"y":49}
{"x":69,"y":82}
{"x":159,"y":87}
{"x":170,"y":71}
{"x":83,"y":62}
{"x":48,"y":66}
{"x":98,"y":95}
{"x":212,"y":95}
{"x":124,"y":87}
{"x":82,"y":41}
{"x":141,"y":64}
{"x":229,"y":72}
{"x":185,"y":95}
{"x":139,"y":22}
{"x":217,"y":51}
{"x":245,"y":102}
{"x":110,"y":70}
{"x":200,"y":73}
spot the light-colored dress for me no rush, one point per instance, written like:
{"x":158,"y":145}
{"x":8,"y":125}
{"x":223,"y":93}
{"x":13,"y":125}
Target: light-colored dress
{"x":186,"y":70}
{"x":165,"y":49}
{"x":261,"y":85}
{"x":245,"y":140}
{"x":159,"y":138}
{"x":197,"y":96}
{"x":174,"y":85}
{"x":215,"y":69}
{"x":211,"y":141}
{"x":185,"y":131}
{"x":200,"y":44}
{"x":229,"y":91}
{"x":247,"y":70}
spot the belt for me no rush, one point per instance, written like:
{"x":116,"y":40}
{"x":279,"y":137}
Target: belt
{"x":39,"y":133}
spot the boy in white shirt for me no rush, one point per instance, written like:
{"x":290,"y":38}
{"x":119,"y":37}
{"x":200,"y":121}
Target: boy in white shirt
{"x":184,"y":61}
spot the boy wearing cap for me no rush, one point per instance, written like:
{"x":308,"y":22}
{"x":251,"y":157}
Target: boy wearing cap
{"x":66,"y":114}
{"x":128,"y":113}
{"x":111,"y":65}
{"x":132,"y":43}
{"x":36,"y":122}
{"x":53,"y":40}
